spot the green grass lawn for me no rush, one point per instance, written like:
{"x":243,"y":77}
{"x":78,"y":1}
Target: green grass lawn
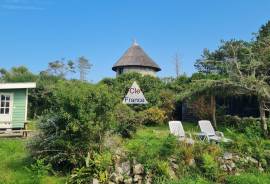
{"x":13,"y":163}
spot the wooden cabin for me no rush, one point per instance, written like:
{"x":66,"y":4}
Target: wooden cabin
{"x":13,"y":104}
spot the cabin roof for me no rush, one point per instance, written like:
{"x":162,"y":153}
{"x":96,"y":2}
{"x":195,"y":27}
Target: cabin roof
{"x":135,"y":56}
{"x":21,"y":85}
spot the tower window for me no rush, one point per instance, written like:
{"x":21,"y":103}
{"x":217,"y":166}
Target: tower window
{"x":120,"y":71}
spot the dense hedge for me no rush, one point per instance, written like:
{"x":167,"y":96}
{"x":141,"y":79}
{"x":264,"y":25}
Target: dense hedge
{"x":244,"y":125}
{"x":74,"y":125}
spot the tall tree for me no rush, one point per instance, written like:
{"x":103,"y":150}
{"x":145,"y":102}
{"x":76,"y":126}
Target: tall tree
{"x":176,"y":62}
{"x":61,"y":67}
{"x":264,"y":31}
{"x":216,"y":61}
{"x":84,"y":67}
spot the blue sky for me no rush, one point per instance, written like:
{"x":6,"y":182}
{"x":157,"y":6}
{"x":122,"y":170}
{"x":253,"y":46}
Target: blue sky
{"x":35,"y":32}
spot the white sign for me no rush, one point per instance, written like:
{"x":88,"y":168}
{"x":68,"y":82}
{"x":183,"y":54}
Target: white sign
{"x":134,"y":95}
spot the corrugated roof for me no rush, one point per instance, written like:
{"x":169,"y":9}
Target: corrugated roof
{"x":135,"y":56}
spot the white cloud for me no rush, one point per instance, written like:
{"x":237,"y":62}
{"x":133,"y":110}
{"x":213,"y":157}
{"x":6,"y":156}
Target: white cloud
{"x":20,"y":7}
{"x":22,"y":4}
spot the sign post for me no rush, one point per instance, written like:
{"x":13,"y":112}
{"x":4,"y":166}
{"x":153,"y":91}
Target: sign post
{"x":134,"y":95}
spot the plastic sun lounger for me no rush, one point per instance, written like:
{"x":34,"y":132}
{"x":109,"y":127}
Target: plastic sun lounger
{"x":176,"y":129}
{"x":209,"y":133}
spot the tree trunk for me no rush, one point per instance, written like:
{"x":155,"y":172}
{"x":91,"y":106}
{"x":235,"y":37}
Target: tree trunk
{"x":263,"y":117}
{"x":213,"y":110}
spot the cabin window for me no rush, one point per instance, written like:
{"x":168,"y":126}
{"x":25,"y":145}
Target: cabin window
{"x":5,"y":104}
{"x":120,"y":71}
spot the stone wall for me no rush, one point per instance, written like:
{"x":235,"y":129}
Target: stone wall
{"x":141,"y":70}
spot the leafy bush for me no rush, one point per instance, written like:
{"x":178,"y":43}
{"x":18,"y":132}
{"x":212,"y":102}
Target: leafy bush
{"x":167,"y":103}
{"x":201,"y":107}
{"x":81,"y":175}
{"x":154,"y":116}
{"x":168,"y":147}
{"x":39,"y":170}
{"x":245,"y":145}
{"x":74,"y":126}
{"x":150,"y":86}
{"x":209,"y":166}
{"x":125,"y":120}
{"x":247,"y":125}
{"x":161,"y":168}
{"x":96,"y":167}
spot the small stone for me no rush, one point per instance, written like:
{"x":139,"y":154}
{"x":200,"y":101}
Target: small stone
{"x":236,"y":158}
{"x":232,"y":165}
{"x":119,"y":178}
{"x":95,"y":181}
{"x":173,"y":160}
{"x":138,"y":169}
{"x":117,"y":160}
{"x":134,"y":161}
{"x":128,"y":180}
{"x":223,"y":167}
{"x":261,"y":169}
{"x":229,"y":168}
{"x":119,"y":170}
{"x":174,"y":166}
{"x":148,"y":178}
{"x":126,"y":167}
{"x":138,"y":178}
{"x":252,"y":160}
{"x":227,"y":156}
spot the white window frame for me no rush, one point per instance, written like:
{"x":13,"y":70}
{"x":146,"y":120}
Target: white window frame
{"x":7,"y":117}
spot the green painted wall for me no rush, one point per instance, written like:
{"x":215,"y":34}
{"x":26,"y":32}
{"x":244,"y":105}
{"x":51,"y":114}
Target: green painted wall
{"x":19,"y":107}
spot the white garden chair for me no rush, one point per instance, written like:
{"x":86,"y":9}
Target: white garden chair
{"x":209,"y":133}
{"x":176,"y":128}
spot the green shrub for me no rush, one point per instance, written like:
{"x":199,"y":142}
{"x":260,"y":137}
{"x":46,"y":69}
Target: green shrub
{"x":154,"y":116}
{"x":125,"y":120}
{"x":81,"y":175}
{"x":248,"y":125}
{"x":209,"y":166}
{"x":168,"y":147}
{"x":39,"y":170}
{"x":167,"y":103}
{"x":161,"y":168}
{"x":96,"y":167}
{"x":150,"y":86}
{"x":75,"y":125}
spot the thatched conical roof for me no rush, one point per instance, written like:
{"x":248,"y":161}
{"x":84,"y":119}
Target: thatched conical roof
{"x":135,"y":56}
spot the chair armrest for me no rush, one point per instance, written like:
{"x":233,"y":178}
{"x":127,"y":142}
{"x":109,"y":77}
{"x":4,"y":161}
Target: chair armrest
{"x":220,"y":134}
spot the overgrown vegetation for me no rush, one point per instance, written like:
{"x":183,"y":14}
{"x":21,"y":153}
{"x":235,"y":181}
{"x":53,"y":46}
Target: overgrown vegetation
{"x":75,"y":118}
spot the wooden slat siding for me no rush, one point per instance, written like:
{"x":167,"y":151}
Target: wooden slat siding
{"x":18,"y":114}
{"x":18,"y":117}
